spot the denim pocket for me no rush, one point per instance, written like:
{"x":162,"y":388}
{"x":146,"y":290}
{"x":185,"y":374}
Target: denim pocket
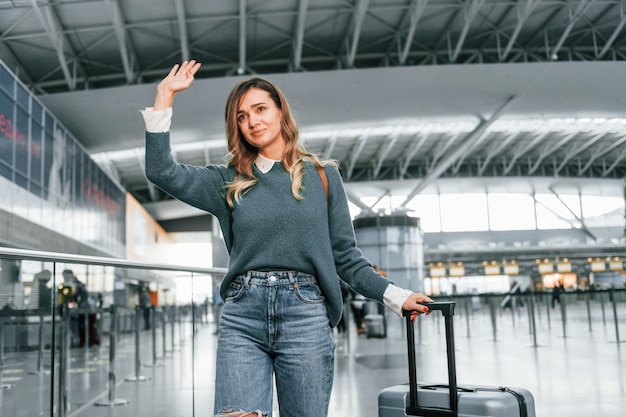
{"x":309,"y":293}
{"x":234,"y":292}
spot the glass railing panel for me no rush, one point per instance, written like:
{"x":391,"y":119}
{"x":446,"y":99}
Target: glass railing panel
{"x":75,"y":329}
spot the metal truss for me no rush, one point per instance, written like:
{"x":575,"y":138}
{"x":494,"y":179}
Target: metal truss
{"x":66,"y":45}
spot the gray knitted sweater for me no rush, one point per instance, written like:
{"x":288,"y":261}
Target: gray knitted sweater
{"x":269,"y":230}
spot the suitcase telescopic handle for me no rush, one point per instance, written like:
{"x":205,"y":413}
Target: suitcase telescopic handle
{"x":447,"y":310}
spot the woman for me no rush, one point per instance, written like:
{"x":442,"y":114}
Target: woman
{"x":288,"y":242}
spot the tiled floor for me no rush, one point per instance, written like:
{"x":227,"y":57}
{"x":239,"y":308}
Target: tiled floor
{"x":572,"y":370}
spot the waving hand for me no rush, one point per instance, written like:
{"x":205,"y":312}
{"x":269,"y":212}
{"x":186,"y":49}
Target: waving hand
{"x":179,"y":78}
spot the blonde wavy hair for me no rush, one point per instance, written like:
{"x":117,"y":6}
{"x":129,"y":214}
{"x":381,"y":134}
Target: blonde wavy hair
{"x":241,"y":155}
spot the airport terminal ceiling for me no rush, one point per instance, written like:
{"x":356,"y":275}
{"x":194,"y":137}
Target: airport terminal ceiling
{"x":400,"y":92}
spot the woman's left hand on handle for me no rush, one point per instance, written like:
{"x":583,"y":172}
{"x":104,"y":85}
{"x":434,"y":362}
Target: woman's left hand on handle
{"x":413,"y":304}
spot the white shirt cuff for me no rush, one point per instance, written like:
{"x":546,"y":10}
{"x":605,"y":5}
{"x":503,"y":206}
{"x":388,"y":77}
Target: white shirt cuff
{"x":394,"y":297}
{"x":157,"y":121}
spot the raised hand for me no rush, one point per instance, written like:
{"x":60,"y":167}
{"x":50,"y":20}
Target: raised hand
{"x":179,"y":78}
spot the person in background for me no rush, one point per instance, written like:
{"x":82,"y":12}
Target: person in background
{"x":556,"y":292}
{"x":146,"y":306}
{"x":357,"y":304}
{"x":85,"y":320}
{"x":42,"y":279}
{"x":287,"y":228}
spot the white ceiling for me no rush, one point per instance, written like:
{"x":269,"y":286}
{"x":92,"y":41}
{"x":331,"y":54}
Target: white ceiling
{"x":109,"y":119}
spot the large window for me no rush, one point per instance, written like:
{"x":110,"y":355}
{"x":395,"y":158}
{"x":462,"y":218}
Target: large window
{"x":511,"y":212}
{"x":463,"y":212}
{"x":441,"y":211}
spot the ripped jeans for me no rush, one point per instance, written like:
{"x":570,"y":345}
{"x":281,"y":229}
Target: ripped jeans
{"x":274,"y":324}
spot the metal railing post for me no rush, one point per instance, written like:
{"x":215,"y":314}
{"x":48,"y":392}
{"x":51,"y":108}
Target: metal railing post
{"x":2,"y":385}
{"x":64,"y":350}
{"x":548,"y":310}
{"x":468,"y":300}
{"x":164,"y":331}
{"x":531,"y":309}
{"x":155,"y":363}
{"x":492,"y":312}
{"x":137,"y":376}
{"x":563,"y":314}
{"x":181,"y":331}
{"x":112,"y":401}
{"x":615,"y":317}
{"x":531,"y":314}
{"x":513,"y":307}
{"x":588,"y":310}
{"x":40,"y":369}
{"x":173,"y":327}
{"x":86,"y":336}
{"x":603,"y":311}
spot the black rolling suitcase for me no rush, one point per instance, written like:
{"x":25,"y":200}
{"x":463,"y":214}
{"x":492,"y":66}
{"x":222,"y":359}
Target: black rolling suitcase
{"x":439,"y":400}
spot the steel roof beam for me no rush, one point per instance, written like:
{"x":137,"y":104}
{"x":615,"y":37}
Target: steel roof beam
{"x":242,"y":37}
{"x":456,"y":166}
{"x":591,"y":27}
{"x":359,"y":16}
{"x":386,"y":193}
{"x":599,"y":152}
{"x":551,"y":147}
{"x":357,"y":202}
{"x":16,"y":23}
{"x":576,"y":216}
{"x":620,"y":158}
{"x":470,"y":11}
{"x":53,"y":29}
{"x":489,"y":53}
{"x":181,"y":15}
{"x":126,"y":53}
{"x":523,"y":13}
{"x":614,"y":35}
{"x":410,"y":153}
{"x":541,"y":27}
{"x":520,"y":151}
{"x":459,"y":151}
{"x":16,"y":66}
{"x":417,"y":9}
{"x":494,"y":30}
{"x":443,"y":148}
{"x":573,"y":151}
{"x":298,"y":41}
{"x":393,"y":138}
{"x":551,"y":210}
{"x":330,"y":146}
{"x":580,"y":10}
{"x":361,"y":141}
{"x":492,"y":152}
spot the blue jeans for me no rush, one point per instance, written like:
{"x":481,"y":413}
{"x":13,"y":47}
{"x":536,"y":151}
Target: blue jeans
{"x":274,"y":324}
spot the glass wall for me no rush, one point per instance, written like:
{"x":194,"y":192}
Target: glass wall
{"x":47,"y":178}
